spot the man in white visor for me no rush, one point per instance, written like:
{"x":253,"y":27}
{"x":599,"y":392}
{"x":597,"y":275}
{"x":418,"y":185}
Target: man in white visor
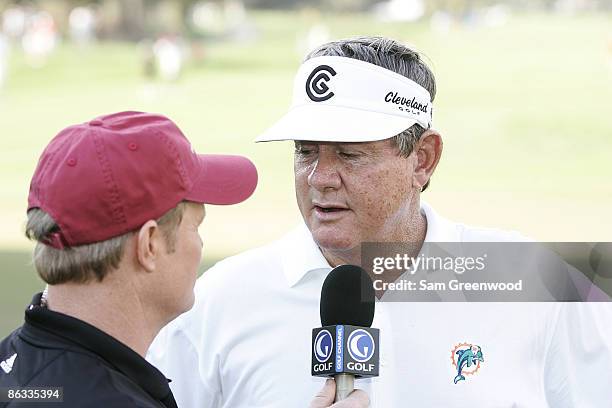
{"x":365,"y":150}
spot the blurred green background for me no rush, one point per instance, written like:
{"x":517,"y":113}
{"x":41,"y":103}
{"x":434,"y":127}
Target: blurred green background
{"x":524,"y":106}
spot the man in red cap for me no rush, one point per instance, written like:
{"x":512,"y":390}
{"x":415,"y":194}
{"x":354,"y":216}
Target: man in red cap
{"x":114,"y":206}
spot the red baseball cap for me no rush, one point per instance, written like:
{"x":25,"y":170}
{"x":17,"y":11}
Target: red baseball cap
{"x":104,"y":178}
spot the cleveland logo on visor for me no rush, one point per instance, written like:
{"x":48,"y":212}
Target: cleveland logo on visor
{"x":358,"y":102}
{"x":316,"y":84}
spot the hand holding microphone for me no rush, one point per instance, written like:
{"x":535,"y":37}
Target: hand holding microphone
{"x":346,"y":346}
{"x":325,"y":398}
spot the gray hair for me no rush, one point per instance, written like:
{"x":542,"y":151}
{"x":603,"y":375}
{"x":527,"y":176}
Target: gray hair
{"x":83,"y":263}
{"x":394,"y":56}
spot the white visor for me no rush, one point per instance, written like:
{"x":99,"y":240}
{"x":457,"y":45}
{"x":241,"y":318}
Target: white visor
{"x":340,"y":99}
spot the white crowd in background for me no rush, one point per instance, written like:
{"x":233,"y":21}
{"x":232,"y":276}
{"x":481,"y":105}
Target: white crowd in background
{"x":399,"y":10}
{"x":165,"y":57}
{"x":40,"y":38}
{"x":35,"y":32}
{"x":82,"y":22}
{"x":169,"y":52}
{"x":227,"y":20}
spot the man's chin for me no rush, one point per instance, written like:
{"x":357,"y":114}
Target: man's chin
{"x":187,"y":303}
{"x":332,"y":240}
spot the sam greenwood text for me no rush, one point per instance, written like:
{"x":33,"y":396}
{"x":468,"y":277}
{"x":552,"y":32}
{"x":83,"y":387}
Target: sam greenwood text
{"x":452,"y":285}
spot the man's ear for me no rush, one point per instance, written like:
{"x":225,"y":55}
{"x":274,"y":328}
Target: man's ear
{"x":428,"y":151}
{"x":149,"y":245}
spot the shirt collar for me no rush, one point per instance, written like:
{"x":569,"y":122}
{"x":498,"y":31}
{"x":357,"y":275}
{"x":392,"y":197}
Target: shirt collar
{"x":52,"y":329}
{"x":439,"y":229}
{"x":301,"y":255}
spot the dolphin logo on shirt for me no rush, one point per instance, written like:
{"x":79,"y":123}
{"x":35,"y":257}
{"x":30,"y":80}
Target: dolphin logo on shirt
{"x":465,"y":356}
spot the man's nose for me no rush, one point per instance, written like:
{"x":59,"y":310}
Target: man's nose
{"x":324,"y":174}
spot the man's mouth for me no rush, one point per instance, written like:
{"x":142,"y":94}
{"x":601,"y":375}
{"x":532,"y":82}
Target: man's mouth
{"x":328,"y":209}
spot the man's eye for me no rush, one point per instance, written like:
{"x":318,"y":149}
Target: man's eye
{"x":302,"y":151}
{"x":346,"y":155}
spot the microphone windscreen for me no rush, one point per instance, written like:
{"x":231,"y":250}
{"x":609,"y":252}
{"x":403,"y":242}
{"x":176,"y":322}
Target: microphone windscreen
{"x":347,"y":297}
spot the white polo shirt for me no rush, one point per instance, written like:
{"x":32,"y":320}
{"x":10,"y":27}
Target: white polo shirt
{"x":247,"y":340}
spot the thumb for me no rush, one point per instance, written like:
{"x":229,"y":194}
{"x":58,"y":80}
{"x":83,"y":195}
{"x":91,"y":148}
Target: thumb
{"x":356,"y":399}
{"x":326,"y":396}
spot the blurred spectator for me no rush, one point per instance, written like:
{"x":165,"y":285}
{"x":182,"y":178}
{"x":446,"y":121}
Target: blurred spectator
{"x":399,"y":10}
{"x":169,"y":57}
{"x":235,"y":13}
{"x":82,"y":23}
{"x":207,"y":18}
{"x":222,"y":19}
{"x":238,"y":26}
{"x":40,"y":38}
{"x":14,"y":22}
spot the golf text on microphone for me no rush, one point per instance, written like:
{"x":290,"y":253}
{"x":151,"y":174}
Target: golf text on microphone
{"x":345,"y":349}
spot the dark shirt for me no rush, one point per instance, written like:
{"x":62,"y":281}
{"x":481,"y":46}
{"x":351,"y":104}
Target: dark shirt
{"x":94,"y":369}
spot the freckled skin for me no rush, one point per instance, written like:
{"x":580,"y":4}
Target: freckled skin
{"x":372,"y":180}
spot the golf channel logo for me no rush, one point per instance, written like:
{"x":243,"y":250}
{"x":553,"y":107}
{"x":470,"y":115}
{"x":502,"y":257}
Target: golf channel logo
{"x":360,"y":345}
{"x":323,"y":346}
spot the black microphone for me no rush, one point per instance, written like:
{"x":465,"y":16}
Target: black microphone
{"x":346,"y":347}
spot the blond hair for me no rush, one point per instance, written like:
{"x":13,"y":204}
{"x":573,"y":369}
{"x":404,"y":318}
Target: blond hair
{"x":83,"y":263}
